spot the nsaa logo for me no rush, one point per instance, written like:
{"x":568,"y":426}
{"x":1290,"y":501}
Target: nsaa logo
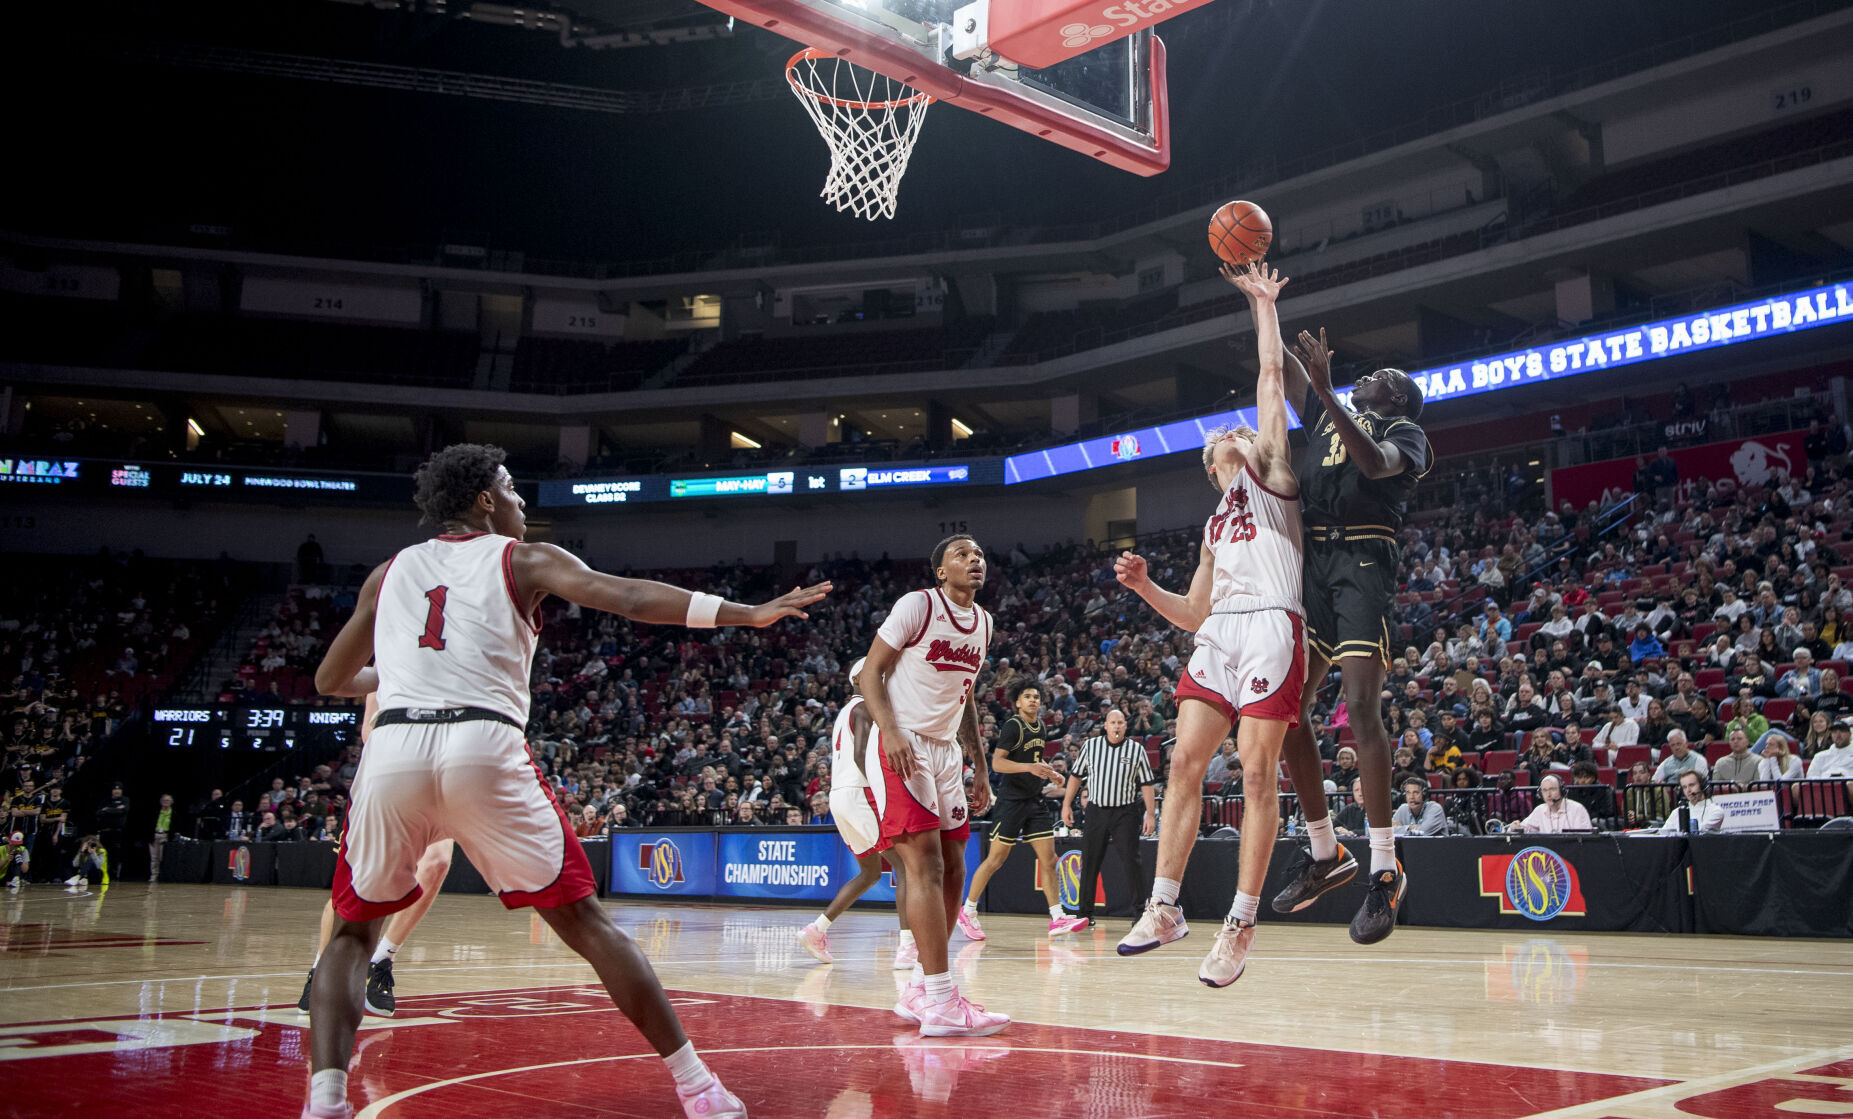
{"x":1124,"y":447}
{"x":1536,"y":884}
{"x":1068,"y":881}
{"x":661,"y":862}
{"x":239,"y":863}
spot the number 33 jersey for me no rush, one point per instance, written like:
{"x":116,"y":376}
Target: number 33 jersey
{"x":448,"y":630}
{"x":1255,"y":543}
{"x":942,"y":648}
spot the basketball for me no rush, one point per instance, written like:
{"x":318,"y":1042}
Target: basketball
{"x":1240,"y":232}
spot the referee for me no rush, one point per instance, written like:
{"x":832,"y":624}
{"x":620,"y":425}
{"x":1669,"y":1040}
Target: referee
{"x":1117,"y":776}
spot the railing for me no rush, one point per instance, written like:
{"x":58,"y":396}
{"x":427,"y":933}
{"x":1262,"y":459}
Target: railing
{"x":1803,"y":804}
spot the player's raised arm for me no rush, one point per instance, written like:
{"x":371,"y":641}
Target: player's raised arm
{"x":344,"y":670}
{"x":542,"y":569}
{"x":1374,"y":459}
{"x":1185,"y":611}
{"x":1262,"y":284}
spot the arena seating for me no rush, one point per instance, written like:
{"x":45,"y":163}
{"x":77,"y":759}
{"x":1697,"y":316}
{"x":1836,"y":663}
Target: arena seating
{"x":822,"y":351}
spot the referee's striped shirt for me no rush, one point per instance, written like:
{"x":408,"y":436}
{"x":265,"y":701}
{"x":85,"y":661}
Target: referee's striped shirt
{"x":1114,"y":774}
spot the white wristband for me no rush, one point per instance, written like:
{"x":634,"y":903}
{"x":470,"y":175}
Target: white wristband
{"x":702,"y":610}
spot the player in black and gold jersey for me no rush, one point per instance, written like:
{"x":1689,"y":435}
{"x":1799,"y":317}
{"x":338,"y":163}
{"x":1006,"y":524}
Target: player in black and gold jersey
{"x":1360,"y":467}
{"x":1021,"y":814}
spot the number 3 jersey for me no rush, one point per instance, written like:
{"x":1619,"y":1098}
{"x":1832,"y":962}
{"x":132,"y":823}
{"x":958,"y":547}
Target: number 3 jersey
{"x":1255,"y":543}
{"x":942,"y":648}
{"x":448,"y":630}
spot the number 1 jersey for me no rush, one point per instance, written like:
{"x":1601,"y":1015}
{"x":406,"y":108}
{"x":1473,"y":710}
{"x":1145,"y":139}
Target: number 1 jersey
{"x":448,"y":630}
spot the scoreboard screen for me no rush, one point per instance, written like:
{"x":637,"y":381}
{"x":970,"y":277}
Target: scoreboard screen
{"x":252,"y":727}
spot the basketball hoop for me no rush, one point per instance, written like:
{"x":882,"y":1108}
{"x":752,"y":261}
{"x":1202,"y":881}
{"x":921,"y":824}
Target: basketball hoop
{"x":870,"y":122}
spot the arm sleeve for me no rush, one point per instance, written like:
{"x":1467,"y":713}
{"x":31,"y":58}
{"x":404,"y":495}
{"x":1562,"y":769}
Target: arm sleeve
{"x":1410,"y":439}
{"x":907,"y":621}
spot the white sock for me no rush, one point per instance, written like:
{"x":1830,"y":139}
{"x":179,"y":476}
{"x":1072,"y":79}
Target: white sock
{"x":1166,"y":890}
{"x":918,"y":975}
{"x":1382,"y":849}
{"x":907,"y":936}
{"x":939,"y":987}
{"x":1246,"y":908}
{"x":971,"y":905}
{"x":328,"y":1089}
{"x":1056,"y":913}
{"x":685,"y":1065}
{"x":822,"y":924}
{"x":384,"y":950}
{"x":1324,"y":840}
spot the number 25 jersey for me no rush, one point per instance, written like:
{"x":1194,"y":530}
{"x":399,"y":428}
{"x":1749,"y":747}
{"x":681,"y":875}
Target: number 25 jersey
{"x":448,"y":630}
{"x":1254,"y":540}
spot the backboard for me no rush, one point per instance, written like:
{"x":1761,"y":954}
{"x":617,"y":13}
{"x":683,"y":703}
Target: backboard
{"x":1108,"y":102}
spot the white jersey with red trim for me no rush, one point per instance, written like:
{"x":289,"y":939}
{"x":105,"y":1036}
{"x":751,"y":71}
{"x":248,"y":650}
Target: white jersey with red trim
{"x":448,"y":631}
{"x":942,"y":648}
{"x":1254,"y":539}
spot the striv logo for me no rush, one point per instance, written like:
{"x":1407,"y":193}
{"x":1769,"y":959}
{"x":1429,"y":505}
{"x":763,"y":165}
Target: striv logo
{"x":1259,"y":685}
{"x":1080,"y":35}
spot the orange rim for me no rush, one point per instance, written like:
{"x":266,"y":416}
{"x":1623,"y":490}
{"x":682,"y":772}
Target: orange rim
{"x":812,"y":54}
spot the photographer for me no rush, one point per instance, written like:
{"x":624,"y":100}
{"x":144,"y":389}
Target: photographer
{"x":91,"y":864}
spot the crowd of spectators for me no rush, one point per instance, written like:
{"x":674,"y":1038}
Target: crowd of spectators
{"x":1558,"y":670}
{"x":82,"y":641}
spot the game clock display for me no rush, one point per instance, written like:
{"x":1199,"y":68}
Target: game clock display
{"x":252,"y":727}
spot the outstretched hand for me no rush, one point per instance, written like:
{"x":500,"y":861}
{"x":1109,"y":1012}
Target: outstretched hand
{"x":791,"y":604}
{"x":1317,"y":357}
{"x":1130,"y":570}
{"x":1259,"y":282}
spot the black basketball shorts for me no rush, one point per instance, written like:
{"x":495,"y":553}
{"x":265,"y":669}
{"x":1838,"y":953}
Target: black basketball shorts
{"x":1350,"y":593}
{"x":1019,"y":821}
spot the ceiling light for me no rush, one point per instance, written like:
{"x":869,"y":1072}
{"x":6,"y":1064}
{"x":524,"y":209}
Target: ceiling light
{"x":193,"y":426}
{"x":743,"y":442}
{"x":960,"y":431}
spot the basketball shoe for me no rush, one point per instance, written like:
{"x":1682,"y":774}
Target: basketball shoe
{"x":1376,"y":918}
{"x":1068,"y":923}
{"x":817,"y":944}
{"x":1310,"y":877}
{"x":957,"y":1017}
{"x":345,"y":1111}
{"x":380,"y":1002}
{"x":712,"y":1102}
{"x":308,"y":984}
{"x":1161,"y":924}
{"x":906,"y":955}
{"x":1228,"y":954}
{"x":968,"y":924}
{"x":906,"y":1006}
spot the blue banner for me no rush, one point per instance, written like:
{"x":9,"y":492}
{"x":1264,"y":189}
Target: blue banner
{"x":765,"y":864}
{"x":1592,"y":353}
{"x":667,"y":863}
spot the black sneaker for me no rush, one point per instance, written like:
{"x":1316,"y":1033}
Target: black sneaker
{"x":379,"y":989}
{"x":1376,"y":918}
{"x":1312,"y":877}
{"x":302,"y":1003}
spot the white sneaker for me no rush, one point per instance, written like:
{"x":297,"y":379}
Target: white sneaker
{"x":712,"y":1102}
{"x":1228,"y":955}
{"x":1160,"y":924}
{"x":957,"y":1017}
{"x":76,"y":880}
{"x":816,"y":943}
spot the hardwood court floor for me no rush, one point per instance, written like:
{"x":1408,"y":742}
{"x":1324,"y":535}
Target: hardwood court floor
{"x":180,"y":1000}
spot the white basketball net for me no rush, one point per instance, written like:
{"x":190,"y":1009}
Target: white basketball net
{"x":870,"y":122}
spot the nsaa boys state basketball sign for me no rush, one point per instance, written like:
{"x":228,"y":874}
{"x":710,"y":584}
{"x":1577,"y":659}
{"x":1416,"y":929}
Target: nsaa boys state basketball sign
{"x":1722,"y":326}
